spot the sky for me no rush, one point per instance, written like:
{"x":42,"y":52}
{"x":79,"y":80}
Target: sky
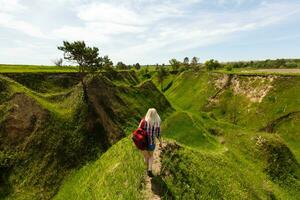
{"x":150,"y":31}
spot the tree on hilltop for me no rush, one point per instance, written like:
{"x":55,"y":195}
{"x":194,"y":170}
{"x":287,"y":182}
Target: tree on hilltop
{"x":58,"y":62}
{"x":186,"y":61}
{"x":121,"y":66}
{"x":212,"y":64}
{"x":195,"y":61}
{"x":137,"y":66}
{"x":107,"y":63}
{"x":86,"y":57}
{"x":161,"y":73}
{"x":175,"y":64}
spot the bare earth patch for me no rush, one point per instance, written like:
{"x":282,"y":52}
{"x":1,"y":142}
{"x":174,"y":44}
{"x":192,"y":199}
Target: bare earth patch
{"x":254,"y":88}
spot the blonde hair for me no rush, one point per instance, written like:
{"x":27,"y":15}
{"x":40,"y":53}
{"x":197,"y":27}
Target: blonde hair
{"x":152,"y":118}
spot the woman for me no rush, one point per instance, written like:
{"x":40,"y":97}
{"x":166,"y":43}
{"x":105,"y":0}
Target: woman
{"x":151,"y":124}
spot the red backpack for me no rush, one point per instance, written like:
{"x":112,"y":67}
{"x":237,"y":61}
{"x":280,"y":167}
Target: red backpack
{"x":139,"y":138}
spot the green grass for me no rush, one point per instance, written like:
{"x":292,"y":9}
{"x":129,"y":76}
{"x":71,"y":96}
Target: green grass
{"x":235,"y":170}
{"x":282,"y":99}
{"x":66,"y":140}
{"x":187,"y":129}
{"x":216,"y":158}
{"x":239,"y":168}
{"x":190,"y":90}
{"x":117,"y":174}
{"x":193,"y":174}
{"x":35,"y":68}
{"x":290,"y":132}
{"x":56,"y":102}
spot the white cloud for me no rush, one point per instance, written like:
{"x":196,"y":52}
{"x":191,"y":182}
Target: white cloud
{"x":105,"y":12}
{"x":9,"y":9}
{"x":9,"y":21}
{"x":95,"y":31}
{"x":133,"y":29}
{"x":215,"y":28}
{"x":11,"y":6}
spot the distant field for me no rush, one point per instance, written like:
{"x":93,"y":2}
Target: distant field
{"x":35,"y":68}
{"x":297,"y":71}
{"x":249,"y":71}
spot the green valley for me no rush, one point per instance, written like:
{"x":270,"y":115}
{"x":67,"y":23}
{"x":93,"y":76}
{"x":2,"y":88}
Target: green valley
{"x":226,"y":135}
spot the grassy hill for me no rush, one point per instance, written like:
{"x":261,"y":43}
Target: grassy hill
{"x":246,"y":163}
{"x":117,"y":174}
{"x":232,"y":136}
{"x":47,"y":129}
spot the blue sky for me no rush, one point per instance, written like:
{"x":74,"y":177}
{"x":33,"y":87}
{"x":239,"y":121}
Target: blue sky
{"x":150,"y":31}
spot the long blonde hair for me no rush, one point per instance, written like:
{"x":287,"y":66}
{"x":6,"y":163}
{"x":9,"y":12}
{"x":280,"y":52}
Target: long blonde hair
{"x":152,"y":118}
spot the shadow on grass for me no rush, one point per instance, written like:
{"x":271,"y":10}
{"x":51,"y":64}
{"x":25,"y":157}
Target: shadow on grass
{"x":160,"y":188}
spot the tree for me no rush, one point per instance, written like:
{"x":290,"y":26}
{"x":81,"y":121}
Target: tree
{"x":175,"y":64}
{"x":161,"y":73}
{"x":121,"y":66}
{"x":58,"y":62}
{"x":186,"y":61}
{"x":212,"y":64}
{"x":156,"y":68}
{"x":107,"y":63}
{"x":194,"y":61}
{"x":87,"y":58}
{"x":137,"y":66}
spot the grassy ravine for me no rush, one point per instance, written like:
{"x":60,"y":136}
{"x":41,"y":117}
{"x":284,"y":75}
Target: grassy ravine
{"x":241,"y":163}
{"x":220,"y":152}
{"x":67,"y":133}
{"x":117,"y":174}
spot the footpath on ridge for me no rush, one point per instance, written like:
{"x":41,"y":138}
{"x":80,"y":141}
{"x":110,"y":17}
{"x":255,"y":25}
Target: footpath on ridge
{"x":153,"y":185}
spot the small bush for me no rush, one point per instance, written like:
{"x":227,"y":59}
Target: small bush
{"x":228,"y":68}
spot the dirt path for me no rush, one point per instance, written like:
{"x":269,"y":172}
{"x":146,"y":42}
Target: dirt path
{"x":153,"y":187}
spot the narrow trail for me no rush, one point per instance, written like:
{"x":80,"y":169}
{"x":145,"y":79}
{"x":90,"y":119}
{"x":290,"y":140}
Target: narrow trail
{"x":153,"y":187}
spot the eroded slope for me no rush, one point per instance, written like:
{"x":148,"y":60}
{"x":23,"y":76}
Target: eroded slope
{"x":45,"y":133}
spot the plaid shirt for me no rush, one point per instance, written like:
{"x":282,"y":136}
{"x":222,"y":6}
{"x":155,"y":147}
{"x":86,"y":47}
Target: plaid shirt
{"x":151,"y":131}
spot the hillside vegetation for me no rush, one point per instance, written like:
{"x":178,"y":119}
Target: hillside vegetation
{"x":257,"y":150}
{"x":117,"y":174}
{"x":227,"y":135}
{"x":47,"y":130}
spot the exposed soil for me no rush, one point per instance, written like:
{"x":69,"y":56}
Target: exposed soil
{"x":221,"y":85}
{"x":255,"y":88}
{"x":24,"y":116}
{"x":102,"y":118}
